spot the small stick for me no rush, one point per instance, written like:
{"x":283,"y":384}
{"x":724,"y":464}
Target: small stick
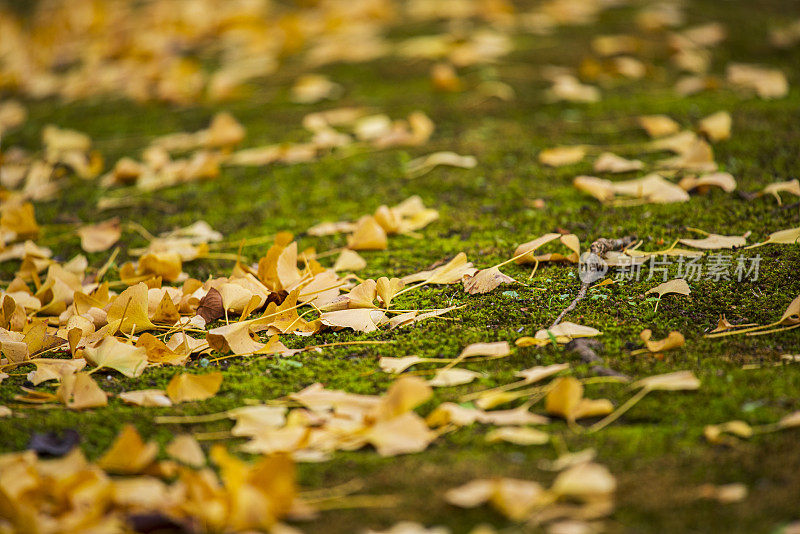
{"x":600,"y":247}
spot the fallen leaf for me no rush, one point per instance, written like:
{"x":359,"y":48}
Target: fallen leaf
{"x":658,"y":125}
{"x":676,"y":381}
{"x":186,"y":450}
{"x":767,"y":83}
{"x":789,"y":186}
{"x":419,"y":166}
{"x":114,"y":354}
{"x":562,"y":156}
{"x":701,"y":185}
{"x":187,"y":387}
{"x":78,"y":391}
{"x":101,"y":236}
{"x":673,"y":340}
{"x":608,"y":162}
{"x":518,"y":435}
{"x":149,"y":398}
{"x":453,"y":377}
{"x":565,"y":399}
{"x":677,"y":285}
{"x":485,"y":280}
{"x":129,"y":454}
{"x":717,"y":127}
{"x":359,"y":319}
{"x":367,"y":235}
{"x":387,"y":289}
{"x":585,"y":481}
{"x":398,"y":365}
{"x":715,"y":242}
{"x":349,"y":260}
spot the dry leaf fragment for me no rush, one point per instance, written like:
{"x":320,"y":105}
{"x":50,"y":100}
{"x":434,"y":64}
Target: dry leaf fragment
{"x":658,"y":125}
{"x":485,"y":280}
{"x":367,"y":235}
{"x":211,"y":307}
{"x":453,"y":377}
{"x":518,"y":435}
{"x":716,"y":433}
{"x":54,"y":369}
{"x":677,"y":285}
{"x":187,"y":387}
{"x":586,"y":482}
{"x":449,"y":273}
{"x":349,"y":260}
{"x":675,"y":381}
{"x":534,"y":374}
{"x":651,"y":188}
{"x":524,"y":252}
{"x":398,"y":365}
{"x":419,"y":166}
{"x":608,"y":162}
{"x":514,"y":498}
{"x":767,"y":83}
{"x":565,"y":332}
{"x":185,"y":449}
{"x":167,"y":265}
{"x":716,"y":241}
{"x":789,"y":186}
{"x":565,"y":399}
{"x":404,"y":434}
{"x":562,"y":156}
{"x":150,"y":398}
{"x":410,"y":527}
{"x":781,"y":237}
{"x":101,"y":236}
{"x":673,"y":340}
{"x":236,"y":337}
{"x":717,"y":127}
{"x":723,"y":180}
{"x":311,"y":88}
{"x":129,"y":454}
{"x":725,"y":493}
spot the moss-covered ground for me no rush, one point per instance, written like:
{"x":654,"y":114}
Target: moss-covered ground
{"x":657,"y":450}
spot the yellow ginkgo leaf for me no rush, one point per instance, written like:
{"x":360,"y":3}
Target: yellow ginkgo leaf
{"x":236,"y":337}
{"x":367,"y":235}
{"x":677,"y":286}
{"x":114,"y":354}
{"x":349,"y":260}
{"x":519,"y":435}
{"x":716,"y":127}
{"x":79,"y":391}
{"x":715,"y":242}
{"x":387,"y":289}
{"x":187,"y":387}
{"x":485,"y":280}
{"x":673,"y":341}
{"x":185,"y":449}
{"x":129,"y":454}
{"x":564,"y":396}
{"x":167,"y":265}
{"x":658,"y":125}
{"x":128,"y":312}
{"x":675,"y":381}
{"x":146,"y":397}
{"x":101,"y":236}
